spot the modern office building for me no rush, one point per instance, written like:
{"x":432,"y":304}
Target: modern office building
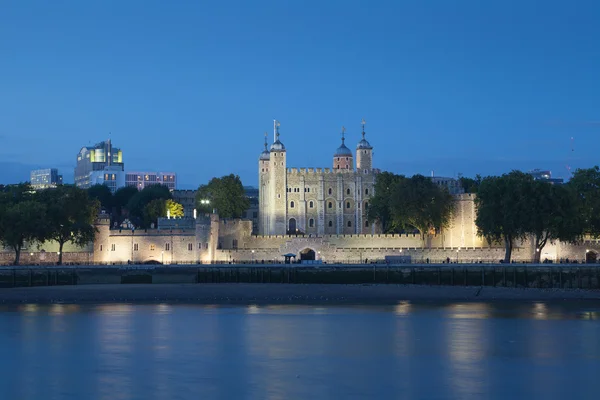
{"x":100,"y":157}
{"x":545,"y":176}
{"x":140,"y":180}
{"x":45,"y":178}
{"x":111,"y":176}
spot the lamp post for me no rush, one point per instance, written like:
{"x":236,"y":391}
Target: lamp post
{"x":457,"y":250}
{"x":252,"y":256}
{"x":132,"y":232}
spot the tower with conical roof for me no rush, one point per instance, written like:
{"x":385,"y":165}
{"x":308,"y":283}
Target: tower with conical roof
{"x":342,"y":158}
{"x":364,"y":153}
{"x":277,"y":203}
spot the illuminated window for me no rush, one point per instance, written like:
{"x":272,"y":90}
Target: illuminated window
{"x":151,"y":247}
{"x":167,"y":246}
{"x":311,"y":223}
{"x":135,"y":247}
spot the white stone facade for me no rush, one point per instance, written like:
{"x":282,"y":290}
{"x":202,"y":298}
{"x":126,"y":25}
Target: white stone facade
{"x":315,"y":201}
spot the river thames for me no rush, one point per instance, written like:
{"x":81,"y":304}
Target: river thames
{"x":407,"y":351}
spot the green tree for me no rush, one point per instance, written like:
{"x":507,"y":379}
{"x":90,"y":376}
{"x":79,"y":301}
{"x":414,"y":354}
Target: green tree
{"x":136,"y":206}
{"x":502,"y":206}
{"x":103,"y":194}
{"x":380,"y":207}
{"x":419,"y":203}
{"x":21,"y":222}
{"x":70,"y":216}
{"x":121,"y":199}
{"x":470,"y":185}
{"x":226,"y":194}
{"x":175,"y":210}
{"x":553,"y":215}
{"x":585,"y":183}
{"x":152,"y":211}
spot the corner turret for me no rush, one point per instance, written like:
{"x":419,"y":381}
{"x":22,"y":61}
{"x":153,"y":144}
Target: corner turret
{"x":342,"y":158}
{"x":364,"y":153}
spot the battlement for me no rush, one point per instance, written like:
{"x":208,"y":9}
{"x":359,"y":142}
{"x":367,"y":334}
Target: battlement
{"x":319,"y":171}
{"x":344,"y":236}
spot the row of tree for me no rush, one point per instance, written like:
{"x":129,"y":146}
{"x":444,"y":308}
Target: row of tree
{"x":141,"y":207}
{"x":62,"y":214}
{"x":509,"y":208}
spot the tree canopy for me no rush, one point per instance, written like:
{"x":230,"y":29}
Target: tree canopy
{"x":103,"y":194}
{"x":585,"y":184}
{"x":225,"y":194}
{"x":70,"y":216}
{"x":136,"y":206}
{"x":402,"y":204}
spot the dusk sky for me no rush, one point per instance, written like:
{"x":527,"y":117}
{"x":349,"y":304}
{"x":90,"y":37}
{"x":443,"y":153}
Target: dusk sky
{"x":191,"y":86}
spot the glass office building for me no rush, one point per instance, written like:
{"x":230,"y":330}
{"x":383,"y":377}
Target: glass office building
{"x":45,"y":178}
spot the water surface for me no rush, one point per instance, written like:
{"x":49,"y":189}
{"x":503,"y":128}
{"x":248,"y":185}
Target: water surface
{"x":411,"y":351}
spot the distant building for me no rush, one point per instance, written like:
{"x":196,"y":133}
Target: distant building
{"x":546,"y":176}
{"x":187,"y":198}
{"x":140,"y":180}
{"x":45,"y":178}
{"x":453,"y":185}
{"x":112,"y":176}
{"x":102,"y":156}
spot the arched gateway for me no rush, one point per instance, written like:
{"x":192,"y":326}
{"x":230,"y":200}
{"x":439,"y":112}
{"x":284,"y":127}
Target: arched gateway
{"x":307,"y":254}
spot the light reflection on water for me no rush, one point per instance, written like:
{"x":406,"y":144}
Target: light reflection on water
{"x":411,"y":350}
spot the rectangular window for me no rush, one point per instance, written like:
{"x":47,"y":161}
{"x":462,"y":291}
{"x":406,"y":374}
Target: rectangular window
{"x":167,"y":246}
{"x":135,"y":247}
{"x":100,"y":247}
{"x":152,"y":247}
{"x":206,"y":246}
{"x":190,"y":246}
{"x":113,"y":247}
{"x":199,"y":246}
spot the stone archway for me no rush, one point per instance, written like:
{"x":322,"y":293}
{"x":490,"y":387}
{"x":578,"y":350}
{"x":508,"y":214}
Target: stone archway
{"x":307,"y":254}
{"x":591,"y":257}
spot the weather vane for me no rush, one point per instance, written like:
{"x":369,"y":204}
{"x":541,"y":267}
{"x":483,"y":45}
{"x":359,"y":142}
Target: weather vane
{"x":276,"y":126}
{"x":343,"y":132}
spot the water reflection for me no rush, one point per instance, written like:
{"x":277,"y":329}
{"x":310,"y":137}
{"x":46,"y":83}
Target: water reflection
{"x":409,"y":350}
{"x":467,"y":337}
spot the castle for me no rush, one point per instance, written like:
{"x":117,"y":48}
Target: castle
{"x":315,"y":201}
{"x":312,"y":214}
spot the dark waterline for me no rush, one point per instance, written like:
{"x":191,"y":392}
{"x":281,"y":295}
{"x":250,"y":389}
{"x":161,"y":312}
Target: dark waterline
{"x":411,"y":350}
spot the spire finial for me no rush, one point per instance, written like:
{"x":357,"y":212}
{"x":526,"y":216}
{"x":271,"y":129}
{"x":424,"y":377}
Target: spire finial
{"x":343,"y":133}
{"x":363,"y":123}
{"x":276,"y":125}
{"x":266,"y":141}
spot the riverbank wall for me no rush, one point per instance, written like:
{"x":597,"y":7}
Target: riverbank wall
{"x":565,"y":276}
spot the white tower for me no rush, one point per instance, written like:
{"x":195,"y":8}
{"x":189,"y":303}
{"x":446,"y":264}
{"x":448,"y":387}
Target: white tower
{"x":263,"y":190}
{"x":277,"y":202}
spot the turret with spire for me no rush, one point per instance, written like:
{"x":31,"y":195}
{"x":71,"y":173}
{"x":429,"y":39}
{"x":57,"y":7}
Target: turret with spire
{"x":342,"y":159}
{"x":364,"y":153}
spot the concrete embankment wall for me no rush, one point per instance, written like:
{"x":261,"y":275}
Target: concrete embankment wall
{"x":514,"y":275}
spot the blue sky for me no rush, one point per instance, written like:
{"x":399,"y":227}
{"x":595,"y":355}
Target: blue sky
{"x":189,"y":86}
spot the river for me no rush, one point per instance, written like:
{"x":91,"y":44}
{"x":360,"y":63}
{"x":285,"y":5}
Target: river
{"x":410,"y":351}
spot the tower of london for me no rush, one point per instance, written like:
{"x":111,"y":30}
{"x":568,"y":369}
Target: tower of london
{"x":315,"y":201}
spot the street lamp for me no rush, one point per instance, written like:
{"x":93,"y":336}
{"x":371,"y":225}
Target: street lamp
{"x":457,"y":255}
{"x":252,"y":256}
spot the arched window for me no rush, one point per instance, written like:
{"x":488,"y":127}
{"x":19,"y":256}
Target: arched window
{"x":310,"y":204}
{"x":330,"y":205}
{"x":367,"y":191}
{"x":330,"y":224}
{"x":329,"y":191}
{"x":292,"y":204}
{"x":311,"y":223}
{"x":366,"y":224}
{"x":347,"y":204}
{"x":348,"y":191}
{"x":366,"y":205}
{"x":349,"y":224}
